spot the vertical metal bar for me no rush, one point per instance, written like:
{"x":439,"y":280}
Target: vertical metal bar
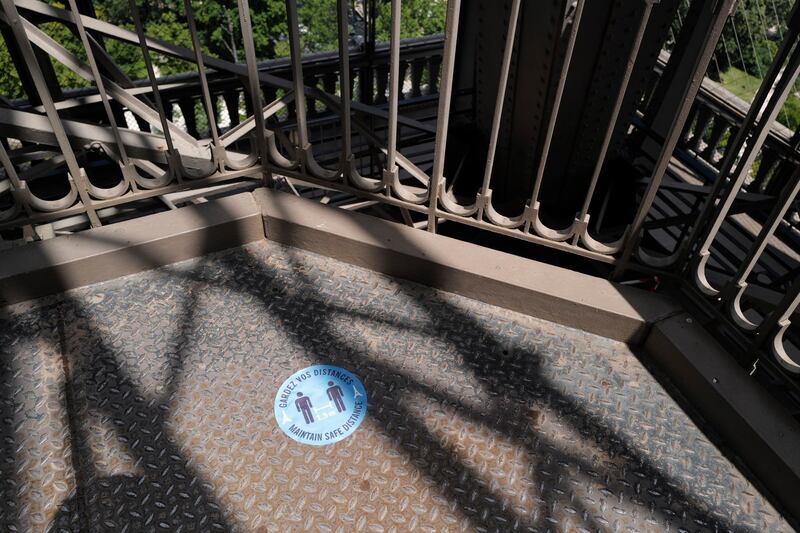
{"x":98,"y":80}
{"x":16,"y":184}
{"x":785,"y":199}
{"x":785,"y":308}
{"x":344,"y":81}
{"x":86,"y":7}
{"x":370,"y":29}
{"x":700,"y":67}
{"x":49,"y":73}
{"x":551,"y":121}
{"x":297,"y":75}
{"x":173,"y":158}
{"x":394,"y":85}
{"x":443,"y":117}
{"x":50,"y":109}
{"x":252,"y":78}
{"x":201,"y":71}
{"x":626,"y":77}
{"x":776,"y":323}
{"x":501,"y":95}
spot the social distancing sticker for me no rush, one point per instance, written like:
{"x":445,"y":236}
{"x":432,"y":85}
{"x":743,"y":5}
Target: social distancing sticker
{"x":320,"y":405}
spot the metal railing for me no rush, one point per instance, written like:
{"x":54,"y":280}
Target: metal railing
{"x":158,"y":156}
{"x":311,"y":130}
{"x":715,"y":118}
{"x":745,"y":164}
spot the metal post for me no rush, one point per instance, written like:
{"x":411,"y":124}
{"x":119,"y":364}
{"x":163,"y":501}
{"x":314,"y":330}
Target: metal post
{"x":173,"y":157}
{"x":582,"y":218}
{"x":394,"y":87}
{"x":344,"y":84}
{"x":553,"y":118}
{"x":736,"y":287}
{"x":297,"y":79}
{"x":699,"y":67}
{"x":201,"y":71}
{"x":443,"y":117}
{"x":128,"y":171}
{"x":252,"y":78}
{"x":16,"y":185}
{"x":774,"y":327}
{"x":501,"y":95}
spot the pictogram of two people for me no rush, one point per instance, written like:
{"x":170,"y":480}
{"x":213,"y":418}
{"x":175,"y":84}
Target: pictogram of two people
{"x":304,"y":405}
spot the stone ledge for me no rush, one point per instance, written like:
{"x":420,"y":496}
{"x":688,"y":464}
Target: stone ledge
{"x":537,"y":289}
{"x":99,"y":254}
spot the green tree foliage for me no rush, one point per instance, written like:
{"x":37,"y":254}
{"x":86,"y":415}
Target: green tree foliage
{"x":63,"y":36}
{"x":10,"y":86}
{"x":750,"y":39}
{"x":318,"y":25}
{"x":219,"y":32}
{"x":752,"y":35}
{"x":418,"y":18}
{"x":217,"y":25}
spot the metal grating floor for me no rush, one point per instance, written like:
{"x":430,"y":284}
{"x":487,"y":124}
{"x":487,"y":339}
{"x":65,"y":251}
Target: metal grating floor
{"x":146,"y":404}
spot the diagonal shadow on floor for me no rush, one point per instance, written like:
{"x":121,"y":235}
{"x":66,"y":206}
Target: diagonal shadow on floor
{"x":171,"y":494}
{"x":512,"y":377}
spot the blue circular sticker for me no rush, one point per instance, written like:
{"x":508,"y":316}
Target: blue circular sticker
{"x":320,"y":405}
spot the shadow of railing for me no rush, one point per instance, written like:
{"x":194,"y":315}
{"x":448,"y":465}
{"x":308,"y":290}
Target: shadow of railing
{"x":165,"y":491}
{"x":170,"y":491}
{"x":512,"y":377}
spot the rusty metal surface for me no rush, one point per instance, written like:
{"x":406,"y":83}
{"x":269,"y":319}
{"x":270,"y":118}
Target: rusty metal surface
{"x":479,"y":418}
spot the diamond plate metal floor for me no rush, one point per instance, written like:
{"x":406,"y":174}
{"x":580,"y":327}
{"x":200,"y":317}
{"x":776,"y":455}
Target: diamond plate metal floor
{"x":145,"y":404}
